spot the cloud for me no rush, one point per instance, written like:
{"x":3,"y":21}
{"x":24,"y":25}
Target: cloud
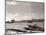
{"x":11,"y":2}
{"x":18,"y":17}
{"x":24,"y":11}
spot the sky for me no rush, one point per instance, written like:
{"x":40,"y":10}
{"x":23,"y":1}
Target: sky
{"x":23,"y":10}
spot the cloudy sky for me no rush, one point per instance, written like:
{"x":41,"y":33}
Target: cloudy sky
{"x":23,"y":10}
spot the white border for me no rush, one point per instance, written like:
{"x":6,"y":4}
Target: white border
{"x":2,"y":18}
{"x":2,"y":15}
{"x":31,"y":0}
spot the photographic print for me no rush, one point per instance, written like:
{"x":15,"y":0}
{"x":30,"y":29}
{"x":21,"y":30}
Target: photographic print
{"x":24,"y":17}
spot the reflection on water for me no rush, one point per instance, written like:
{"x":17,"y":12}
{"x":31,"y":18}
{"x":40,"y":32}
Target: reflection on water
{"x":22,"y":25}
{"x":11,"y":28}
